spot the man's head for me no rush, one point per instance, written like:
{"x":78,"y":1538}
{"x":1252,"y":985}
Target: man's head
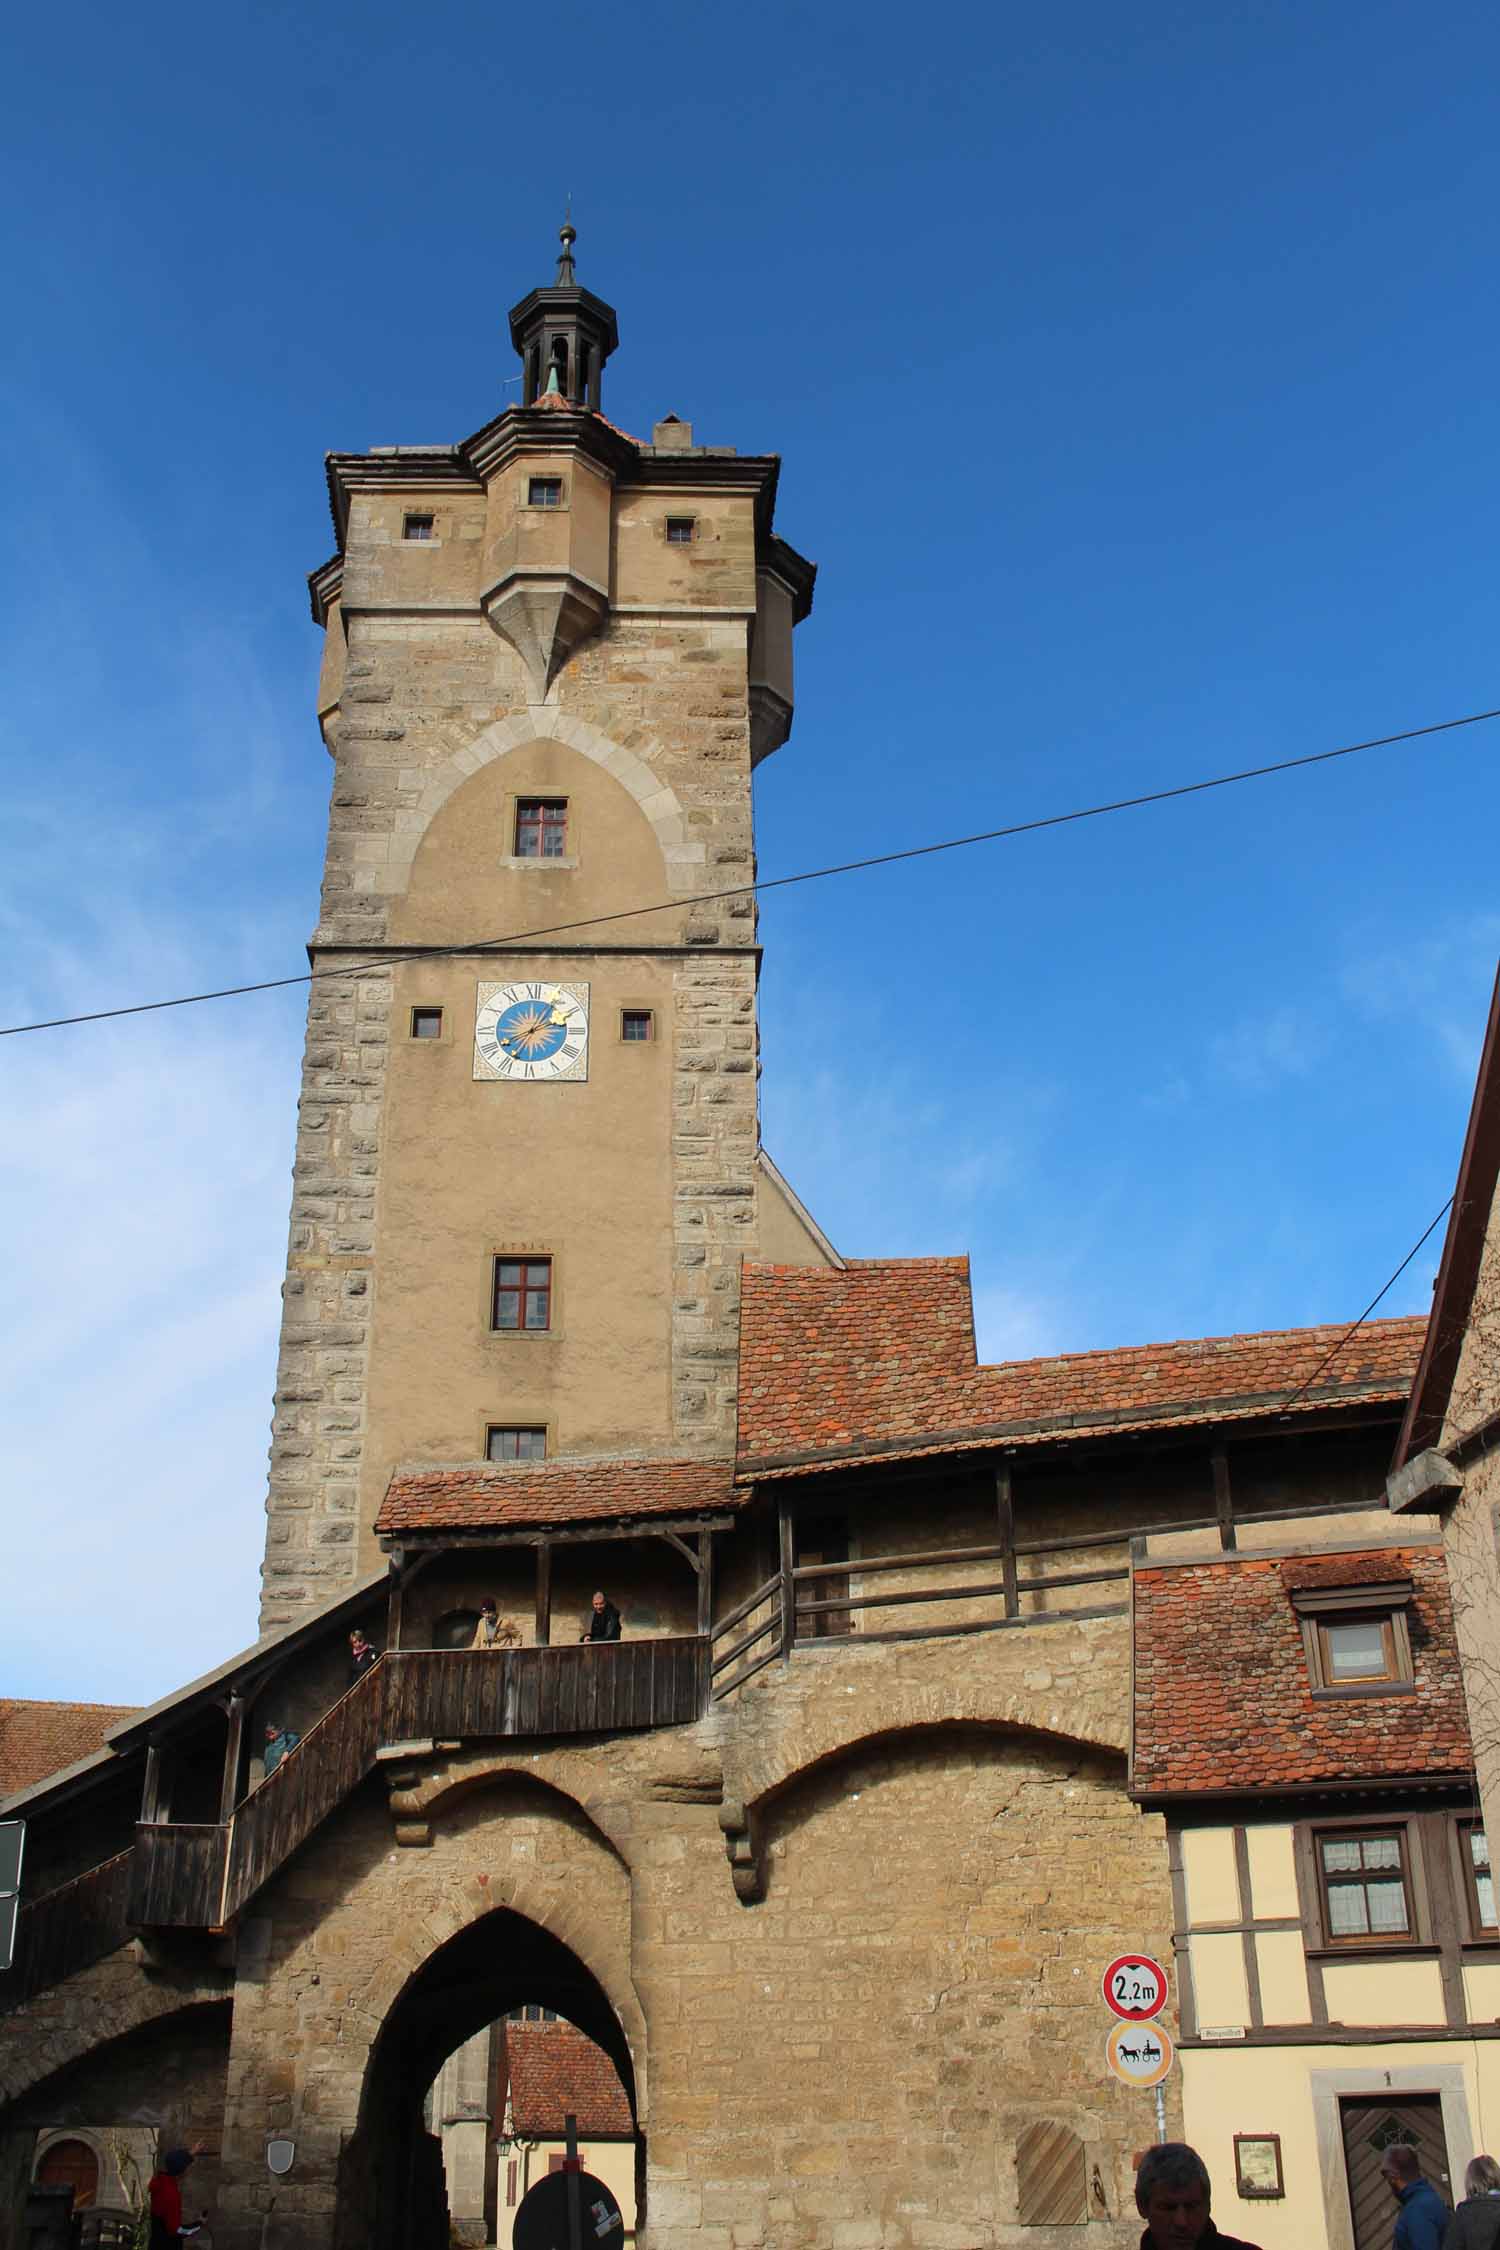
{"x":272,"y":1730}
{"x":1172,"y":2195}
{"x":1399,"y":2166}
{"x":1482,"y":2176}
{"x":487,"y":1606}
{"x":598,"y":1601}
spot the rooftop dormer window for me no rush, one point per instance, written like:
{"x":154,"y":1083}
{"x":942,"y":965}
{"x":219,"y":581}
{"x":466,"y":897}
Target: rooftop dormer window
{"x":1356,"y":1638}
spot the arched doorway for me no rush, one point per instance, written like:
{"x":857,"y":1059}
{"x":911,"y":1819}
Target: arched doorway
{"x":73,"y":2164}
{"x":390,"y":2185}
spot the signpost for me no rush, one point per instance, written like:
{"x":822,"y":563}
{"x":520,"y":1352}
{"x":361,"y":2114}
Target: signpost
{"x":1137,"y":2051}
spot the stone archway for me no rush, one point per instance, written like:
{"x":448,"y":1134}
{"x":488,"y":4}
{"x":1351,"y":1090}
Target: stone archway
{"x":389,"y":2189}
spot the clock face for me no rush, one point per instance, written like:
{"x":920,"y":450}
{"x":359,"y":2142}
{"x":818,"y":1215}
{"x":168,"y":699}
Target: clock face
{"x":532,"y":1031}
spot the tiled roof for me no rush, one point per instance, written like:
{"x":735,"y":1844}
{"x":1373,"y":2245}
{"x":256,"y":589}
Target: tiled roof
{"x":522,"y":1495}
{"x":38,"y":1739}
{"x":839,"y":1367}
{"x":1222,"y":1696}
{"x":555,"y":2071}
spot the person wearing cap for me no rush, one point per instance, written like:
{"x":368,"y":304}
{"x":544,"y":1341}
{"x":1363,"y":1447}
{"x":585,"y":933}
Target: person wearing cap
{"x":164,"y":2200}
{"x":279,"y":1739}
{"x":493,"y":1630}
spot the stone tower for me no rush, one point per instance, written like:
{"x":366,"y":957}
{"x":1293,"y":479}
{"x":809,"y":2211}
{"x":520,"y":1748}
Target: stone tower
{"x":527,"y":1157}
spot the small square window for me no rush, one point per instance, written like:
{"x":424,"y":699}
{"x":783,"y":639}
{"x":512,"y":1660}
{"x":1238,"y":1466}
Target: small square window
{"x":544,"y":492}
{"x":1356,"y":1638}
{"x":1366,"y":1893}
{"x":1479,"y":1881}
{"x":417,"y":527}
{"x":522,"y":1295}
{"x":427,"y":1023}
{"x":637,"y":1023}
{"x":514,"y":1441}
{"x":680,"y":530}
{"x":541,"y":827}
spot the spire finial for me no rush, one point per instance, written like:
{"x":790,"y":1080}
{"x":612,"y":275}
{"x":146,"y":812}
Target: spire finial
{"x":567,"y":235}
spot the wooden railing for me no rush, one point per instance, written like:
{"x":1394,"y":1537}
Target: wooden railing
{"x":600,"y":1687}
{"x":311,"y":1781}
{"x":177,"y":1881}
{"x":66,"y":1930}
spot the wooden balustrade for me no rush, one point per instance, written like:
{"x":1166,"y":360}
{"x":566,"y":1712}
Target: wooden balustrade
{"x":177,"y":1881}
{"x":599,"y":1687}
{"x":311,"y":1781}
{"x":66,"y":1930}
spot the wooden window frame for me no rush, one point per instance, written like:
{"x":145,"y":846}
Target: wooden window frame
{"x":1480,"y":1932}
{"x":527,"y":1260}
{"x":429,"y":1038}
{"x":646,"y":1038}
{"x":541,"y":808}
{"x":426,"y":537}
{"x":1387,"y":1604}
{"x":554,"y":488}
{"x":515,"y":1429}
{"x":680,"y":531}
{"x":1367,"y":1941}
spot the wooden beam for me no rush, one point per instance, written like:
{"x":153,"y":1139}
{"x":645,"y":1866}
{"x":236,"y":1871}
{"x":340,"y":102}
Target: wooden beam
{"x":395,"y":1599}
{"x":786,"y":1539}
{"x":1223,"y":1498}
{"x":705,"y":1581}
{"x":154,"y":1790}
{"x":689,"y":1557}
{"x":424,"y":1542}
{"x":544,"y":1595}
{"x":1005,"y":1510}
{"x":234,"y":1738}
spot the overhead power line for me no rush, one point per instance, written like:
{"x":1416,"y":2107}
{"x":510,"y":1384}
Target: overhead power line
{"x":772,"y":883}
{"x":1355,"y":1325}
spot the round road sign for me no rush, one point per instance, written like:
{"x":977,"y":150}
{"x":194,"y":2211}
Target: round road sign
{"x":1135,"y":1987}
{"x":541,"y":2221}
{"x":1139,"y":2054}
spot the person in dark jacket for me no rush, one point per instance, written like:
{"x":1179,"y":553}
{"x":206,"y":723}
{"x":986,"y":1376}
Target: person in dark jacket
{"x":1423,"y":2218}
{"x":361,"y":1656}
{"x":1475,"y":2225}
{"x":604,"y":1621}
{"x":1172,"y":2194}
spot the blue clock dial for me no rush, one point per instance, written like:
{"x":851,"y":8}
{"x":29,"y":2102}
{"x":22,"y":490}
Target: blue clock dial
{"x":531,"y":1030}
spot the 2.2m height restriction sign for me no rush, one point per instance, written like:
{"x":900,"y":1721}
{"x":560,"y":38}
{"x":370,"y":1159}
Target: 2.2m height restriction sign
{"x":1135,"y":1987}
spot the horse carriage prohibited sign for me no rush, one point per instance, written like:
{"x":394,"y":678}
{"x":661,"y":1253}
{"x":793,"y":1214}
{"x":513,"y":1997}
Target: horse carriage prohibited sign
{"x":1139,"y":2054}
{"x":1135,"y":1987}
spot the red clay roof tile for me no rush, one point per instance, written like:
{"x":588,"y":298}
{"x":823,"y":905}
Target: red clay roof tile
{"x":38,"y":1739}
{"x":555,"y":2071}
{"x":842,"y":1366}
{"x":521,"y":1495}
{"x":1223,"y":1701}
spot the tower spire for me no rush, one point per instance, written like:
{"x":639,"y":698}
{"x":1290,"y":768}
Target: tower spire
{"x":564,"y":334}
{"x":567,"y":235}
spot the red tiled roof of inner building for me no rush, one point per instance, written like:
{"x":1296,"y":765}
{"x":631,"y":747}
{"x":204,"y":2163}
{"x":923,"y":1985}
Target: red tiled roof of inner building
{"x":513,"y":1496}
{"x":1223,"y":1701}
{"x":840,"y":1367}
{"x":555,"y":2071}
{"x":38,"y":1739}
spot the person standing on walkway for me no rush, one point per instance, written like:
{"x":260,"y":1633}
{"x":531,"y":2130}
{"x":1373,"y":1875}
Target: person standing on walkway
{"x":1475,"y":2225}
{"x":1422,"y":2220}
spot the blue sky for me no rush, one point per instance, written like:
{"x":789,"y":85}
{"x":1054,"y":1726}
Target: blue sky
{"x":1133,"y":373}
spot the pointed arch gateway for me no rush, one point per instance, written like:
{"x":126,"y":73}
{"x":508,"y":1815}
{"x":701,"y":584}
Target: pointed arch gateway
{"x":390,"y":2182}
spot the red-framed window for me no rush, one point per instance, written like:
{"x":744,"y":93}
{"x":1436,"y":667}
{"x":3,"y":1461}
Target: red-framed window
{"x":541,"y":827}
{"x":523,"y":1295}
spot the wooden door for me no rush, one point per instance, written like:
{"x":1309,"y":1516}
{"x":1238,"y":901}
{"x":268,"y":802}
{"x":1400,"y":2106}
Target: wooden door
{"x":824,"y":1539}
{"x":1370,"y":2128}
